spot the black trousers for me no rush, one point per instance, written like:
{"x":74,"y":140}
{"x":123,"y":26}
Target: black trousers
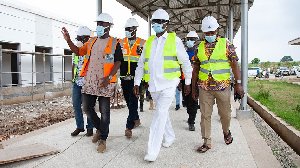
{"x":191,"y":104}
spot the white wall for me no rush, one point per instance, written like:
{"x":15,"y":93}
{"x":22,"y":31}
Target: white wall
{"x":31,"y":28}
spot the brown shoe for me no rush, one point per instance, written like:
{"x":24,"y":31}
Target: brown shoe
{"x":89,"y":132}
{"x":128,"y":133}
{"x":96,"y":136}
{"x":101,"y":146}
{"x":77,"y":131}
{"x":137,"y":123}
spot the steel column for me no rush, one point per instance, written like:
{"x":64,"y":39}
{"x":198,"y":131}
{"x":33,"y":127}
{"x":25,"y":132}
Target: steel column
{"x":244,"y":51}
{"x":149,"y":26}
{"x":99,"y":7}
{"x":230,"y":36}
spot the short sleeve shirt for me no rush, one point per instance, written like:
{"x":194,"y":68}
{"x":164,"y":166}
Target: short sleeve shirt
{"x":96,"y":70}
{"x":211,"y":83}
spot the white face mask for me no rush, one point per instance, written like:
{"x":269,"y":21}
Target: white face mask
{"x":79,"y":44}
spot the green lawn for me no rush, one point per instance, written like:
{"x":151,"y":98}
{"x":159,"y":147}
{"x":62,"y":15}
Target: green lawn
{"x":280,"y":97}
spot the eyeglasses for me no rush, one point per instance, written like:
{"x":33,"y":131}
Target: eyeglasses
{"x":158,"y":21}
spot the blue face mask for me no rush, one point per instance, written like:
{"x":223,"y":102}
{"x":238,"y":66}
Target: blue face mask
{"x":158,"y":27}
{"x":190,"y":44}
{"x":128,"y":34}
{"x":100,"y":31}
{"x":211,"y":39}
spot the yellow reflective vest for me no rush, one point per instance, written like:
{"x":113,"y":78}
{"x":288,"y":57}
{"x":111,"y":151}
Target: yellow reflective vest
{"x":170,"y":62}
{"x":218,"y":64}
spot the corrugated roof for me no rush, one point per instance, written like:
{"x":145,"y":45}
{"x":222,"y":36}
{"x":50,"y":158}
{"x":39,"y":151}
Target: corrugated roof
{"x":186,"y":15}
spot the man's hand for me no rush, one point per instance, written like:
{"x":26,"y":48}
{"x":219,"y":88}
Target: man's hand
{"x":65,"y":33}
{"x":136,"y":91}
{"x":195,"y":94}
{"x":239,"y":89}
{"x":179,"y":87}
{"x":187,"y":89}
{"x":105,"y":81}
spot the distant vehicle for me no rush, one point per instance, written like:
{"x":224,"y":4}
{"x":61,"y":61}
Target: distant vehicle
{"x":252,"y":71}
{"x":294,"y":69}
{"x":284,"y":71}
{"x":298,"y":73}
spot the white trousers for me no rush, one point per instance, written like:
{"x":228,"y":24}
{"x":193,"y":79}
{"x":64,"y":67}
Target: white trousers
{"x":161,"y":124}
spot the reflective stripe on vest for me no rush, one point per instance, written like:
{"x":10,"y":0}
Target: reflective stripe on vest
{"x":108,"y":55}
{"x":218,"y":64}
{"x":170,"y":62}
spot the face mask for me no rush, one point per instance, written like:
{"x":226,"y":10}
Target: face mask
{"x":128,"y":34}
{"x":210,"y":39}
{"x":190,"y":44}
{"x":158,"y":27}
{"x":100,"y":30}
{"x":79,"y":44}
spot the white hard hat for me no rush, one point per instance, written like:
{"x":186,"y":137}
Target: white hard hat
{"x":192,"y":34}
{"x":104,"y":17}
{"x":209,"y":23}
{"x":131,"y":22}
{"x":83,"y":31}
{"x":160,"y":14}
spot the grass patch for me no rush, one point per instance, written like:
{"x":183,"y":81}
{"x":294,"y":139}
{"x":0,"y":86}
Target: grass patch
{"x":280,"y":97}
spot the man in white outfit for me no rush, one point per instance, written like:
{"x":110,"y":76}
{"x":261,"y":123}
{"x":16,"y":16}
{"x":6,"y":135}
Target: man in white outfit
{"x":159,"y":66}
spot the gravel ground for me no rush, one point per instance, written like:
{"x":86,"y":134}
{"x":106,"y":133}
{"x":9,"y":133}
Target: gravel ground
{"x":283,"y":153}
{"x":22,"y":118}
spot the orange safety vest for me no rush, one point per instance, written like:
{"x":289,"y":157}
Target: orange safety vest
{"x":133,"y":54}
{"x":108,"y":55}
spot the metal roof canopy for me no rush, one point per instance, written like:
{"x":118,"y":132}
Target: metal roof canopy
{"x":186,"y":15}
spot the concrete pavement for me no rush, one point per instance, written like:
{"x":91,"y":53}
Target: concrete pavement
{"x":247,"y":150}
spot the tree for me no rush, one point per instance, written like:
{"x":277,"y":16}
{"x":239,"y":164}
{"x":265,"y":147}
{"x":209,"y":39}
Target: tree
{"x":255,"y":61}
{"x":286,"y":58}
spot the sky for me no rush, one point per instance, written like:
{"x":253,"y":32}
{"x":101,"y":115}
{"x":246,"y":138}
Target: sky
{"x":271,"y":23}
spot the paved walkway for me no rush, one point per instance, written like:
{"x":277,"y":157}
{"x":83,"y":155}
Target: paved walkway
{"x":247,"y":150}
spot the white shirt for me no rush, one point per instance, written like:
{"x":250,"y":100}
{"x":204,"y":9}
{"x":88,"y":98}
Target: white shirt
{"x":157,"y":80}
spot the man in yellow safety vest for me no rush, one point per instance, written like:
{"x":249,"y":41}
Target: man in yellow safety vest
{"x":83,"y":35}
{"x":215,"y":57}
{"x":159,"y":66}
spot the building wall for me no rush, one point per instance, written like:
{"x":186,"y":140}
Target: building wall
{"x":32,"y":28}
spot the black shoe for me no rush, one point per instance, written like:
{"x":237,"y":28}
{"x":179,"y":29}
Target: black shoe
{"x":191,"y":127}
{"x":77,"y":131}
{"x":177,"y":107}
{"x":183,"y":104}
{"x":198,"y":106}
{"x":89,"y":132}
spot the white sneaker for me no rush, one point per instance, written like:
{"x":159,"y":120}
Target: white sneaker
{"x":150,"y":158}
{"x":167,"y":144}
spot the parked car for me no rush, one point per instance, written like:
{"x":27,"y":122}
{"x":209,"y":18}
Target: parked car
{"x":284,"y":71}
{"x":294,"y":70}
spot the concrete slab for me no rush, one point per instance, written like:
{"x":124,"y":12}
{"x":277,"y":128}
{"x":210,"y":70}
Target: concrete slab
{"x":123,"y":152}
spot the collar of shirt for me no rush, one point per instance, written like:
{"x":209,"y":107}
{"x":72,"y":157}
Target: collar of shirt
{"x":165,"y":35}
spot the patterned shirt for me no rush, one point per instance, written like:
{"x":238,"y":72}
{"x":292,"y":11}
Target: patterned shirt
{"x":79,"y":80}
{"x":96,"y":70}
{"x":211,"y":83}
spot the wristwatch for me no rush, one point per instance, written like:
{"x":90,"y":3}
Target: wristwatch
{"x":110,"y":77}
{"x":238,"y":81}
